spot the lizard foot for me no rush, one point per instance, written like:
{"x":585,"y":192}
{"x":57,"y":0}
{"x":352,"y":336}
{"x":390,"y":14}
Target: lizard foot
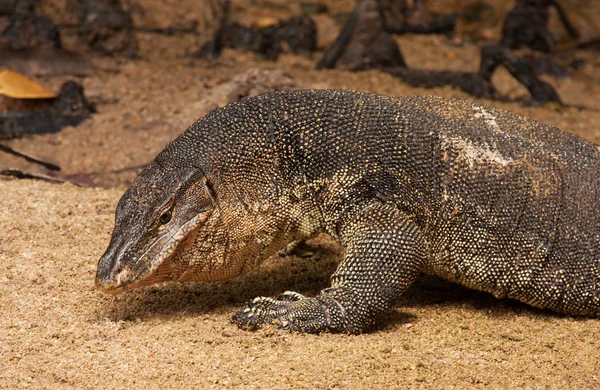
{"x":294,"y":312}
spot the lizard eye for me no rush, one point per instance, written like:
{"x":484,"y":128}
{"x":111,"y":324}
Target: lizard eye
{"x":165,"y":218}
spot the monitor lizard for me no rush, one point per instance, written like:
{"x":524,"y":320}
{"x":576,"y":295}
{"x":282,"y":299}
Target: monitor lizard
{"x":476,"y":195}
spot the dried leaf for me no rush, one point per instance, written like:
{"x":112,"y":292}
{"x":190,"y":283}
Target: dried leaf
{"x":264,"y":22}
{"x":15,"y":85}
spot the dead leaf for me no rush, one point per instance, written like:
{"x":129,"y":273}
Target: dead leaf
{"x":15,"y":85}
{"x":264,"y":22}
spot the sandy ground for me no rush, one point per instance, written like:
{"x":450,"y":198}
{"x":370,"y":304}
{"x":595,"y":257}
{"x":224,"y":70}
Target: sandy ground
{"x":56,"y":331}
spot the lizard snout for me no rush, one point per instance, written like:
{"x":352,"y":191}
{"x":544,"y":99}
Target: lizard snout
{"x":112,"y":274}
{"x":111,"y":282}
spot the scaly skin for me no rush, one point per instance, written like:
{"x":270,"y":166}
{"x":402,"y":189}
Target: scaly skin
{"x":478,"y":196}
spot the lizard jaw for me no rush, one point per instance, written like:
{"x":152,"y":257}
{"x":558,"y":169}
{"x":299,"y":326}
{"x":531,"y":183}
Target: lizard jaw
{"x":124,"y":278}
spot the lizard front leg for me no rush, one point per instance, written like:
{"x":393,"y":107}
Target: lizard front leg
{"x":384,"y":254}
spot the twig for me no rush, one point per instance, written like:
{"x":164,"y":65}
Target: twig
{"x":13,"y":172}
{"x":48,"y":165}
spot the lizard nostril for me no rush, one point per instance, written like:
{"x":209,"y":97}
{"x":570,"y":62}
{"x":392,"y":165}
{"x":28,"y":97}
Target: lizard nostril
{"x":121,"y":273}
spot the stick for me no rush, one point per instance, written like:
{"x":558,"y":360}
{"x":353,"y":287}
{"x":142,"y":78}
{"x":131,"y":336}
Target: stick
{"x":48,"y":165}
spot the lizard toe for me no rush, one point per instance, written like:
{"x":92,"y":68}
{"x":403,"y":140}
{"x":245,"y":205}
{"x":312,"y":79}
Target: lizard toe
{"x":291,"y":311}
{"x":260,"y":311}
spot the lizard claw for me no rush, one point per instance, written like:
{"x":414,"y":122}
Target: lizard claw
{"x":290,"y":296}
{"x":290,"y":311}
{"x":264,"y":310}
{"x":295,"y":312}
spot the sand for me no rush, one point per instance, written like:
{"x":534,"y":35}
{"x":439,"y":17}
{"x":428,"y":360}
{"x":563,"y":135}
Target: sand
{"x":58,"y":332}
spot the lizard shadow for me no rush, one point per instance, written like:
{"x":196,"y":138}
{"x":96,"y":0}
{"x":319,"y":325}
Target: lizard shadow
{"x":307,"y":276}
{"x":431,"y":291}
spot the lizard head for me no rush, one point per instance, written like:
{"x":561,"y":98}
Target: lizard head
{"x":170,"y":225}
{"x":154,"y":219}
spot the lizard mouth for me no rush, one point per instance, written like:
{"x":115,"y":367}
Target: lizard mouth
{"x":122,"y":283}
{"x":151,"y":267}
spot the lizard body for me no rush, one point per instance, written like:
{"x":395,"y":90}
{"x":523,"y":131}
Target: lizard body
{"x":479,"y":196}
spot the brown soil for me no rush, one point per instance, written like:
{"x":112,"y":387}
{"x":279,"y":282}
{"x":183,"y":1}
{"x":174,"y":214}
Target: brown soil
{"x":58,"y":332}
